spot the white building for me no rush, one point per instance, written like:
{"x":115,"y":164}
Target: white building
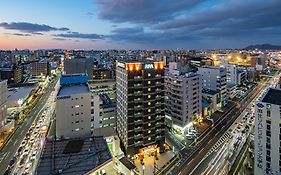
{"x":267,"y":133}
{"x":231,"y":73}
{"x":214,"y":78}
{"x":73,"y":107}
{"x":104,"y":113}
{"x":3,"y":102}
{"x":183,"y":96}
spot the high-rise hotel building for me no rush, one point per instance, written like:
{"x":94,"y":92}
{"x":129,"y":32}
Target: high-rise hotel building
{"x":140,"y":106}
{"x":268,"y":133}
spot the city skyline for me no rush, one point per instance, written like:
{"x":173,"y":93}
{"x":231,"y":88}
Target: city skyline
{"x":124,"y":24}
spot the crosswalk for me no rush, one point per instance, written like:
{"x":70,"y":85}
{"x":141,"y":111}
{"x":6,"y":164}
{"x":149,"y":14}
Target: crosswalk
{"x":219,"y":143}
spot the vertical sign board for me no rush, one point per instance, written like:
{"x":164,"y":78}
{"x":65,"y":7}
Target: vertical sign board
{"x":260,"y":137}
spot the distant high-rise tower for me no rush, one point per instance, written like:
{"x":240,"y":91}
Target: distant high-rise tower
{"x":140,"y":106}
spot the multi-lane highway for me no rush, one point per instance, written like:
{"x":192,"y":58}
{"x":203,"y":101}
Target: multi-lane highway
{"x":13,"y":144}
{"x":219,"y":128}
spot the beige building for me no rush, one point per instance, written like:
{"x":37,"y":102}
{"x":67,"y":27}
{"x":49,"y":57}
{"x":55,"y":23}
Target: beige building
{"x":73,"y":108}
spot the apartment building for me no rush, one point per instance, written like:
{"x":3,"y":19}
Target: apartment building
{"x":214,"y":78}
{"x":183,"y":96}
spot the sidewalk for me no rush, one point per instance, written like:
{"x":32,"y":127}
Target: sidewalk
{"x":163,"y":160}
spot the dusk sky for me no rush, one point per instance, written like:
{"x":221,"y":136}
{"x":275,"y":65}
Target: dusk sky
{"x":138,"y":24}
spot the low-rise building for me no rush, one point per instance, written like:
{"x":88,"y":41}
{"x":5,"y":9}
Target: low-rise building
{"x":103,"y":113}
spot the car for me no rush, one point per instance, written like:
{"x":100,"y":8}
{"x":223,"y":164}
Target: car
{"x":20,"y":149}
{"x":12,"y":161}
{"x":189,"y":136}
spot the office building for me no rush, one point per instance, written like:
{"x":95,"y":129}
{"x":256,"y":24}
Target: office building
{"x":79,"y":65}
{"x":103,"y":74}
{"x":183,"y":97}
{"x":214,"y":79}
{"x":41,"y":68}
{"x":73,"y":107}
{"x":268,"y":133}
{"x":3,"y":102}
{"x":140,"y":106}
{"x":13,"y":74}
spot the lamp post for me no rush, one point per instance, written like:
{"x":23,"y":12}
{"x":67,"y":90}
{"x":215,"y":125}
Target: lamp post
{"x":143,"y":168}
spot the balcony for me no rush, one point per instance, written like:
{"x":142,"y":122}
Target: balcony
{"x":138,"y":128}
{"x":138,"y":93}
{"x":138,"y":136}
{"x":138,"y":122}
{"x":138,"y":107}
{"x":137,"y":99}
{"x":138,"y":143}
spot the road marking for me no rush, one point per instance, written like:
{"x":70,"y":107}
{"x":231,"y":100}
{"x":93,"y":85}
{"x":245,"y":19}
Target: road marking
{"x":15,"y":142}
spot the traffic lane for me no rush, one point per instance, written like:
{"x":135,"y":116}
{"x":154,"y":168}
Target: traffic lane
{"x":14,"y":142}
{"x":233,"y":115}
{"x":203,"y":149}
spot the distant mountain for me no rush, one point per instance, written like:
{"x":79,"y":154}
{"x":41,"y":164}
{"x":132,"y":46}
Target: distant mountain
{"x":263,"y":47}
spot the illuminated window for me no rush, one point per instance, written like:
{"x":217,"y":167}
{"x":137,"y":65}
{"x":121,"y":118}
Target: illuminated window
{"x":149,"y":138}
{"x":149,"y":110}
{"x":149,"y":131}
{"x":149,"y":124}
{"x":149,"y":74}
{"x":149,"y":96}
{"x":149,"y":117}
{"x":149,"y":103}
{"x":148,"y":82}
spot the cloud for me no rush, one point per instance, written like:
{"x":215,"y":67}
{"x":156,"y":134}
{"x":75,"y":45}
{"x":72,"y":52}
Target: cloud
{"x":205,"y":23}
{"x":90,"y":14}
{"x":30,"y":27}
{"x":142,"y":11}
{"x":80,"y":35}
{"x":60,"y":39}
{"x":21,"y":34}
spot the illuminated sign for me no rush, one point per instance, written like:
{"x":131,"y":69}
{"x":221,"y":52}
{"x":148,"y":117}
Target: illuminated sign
{"x":148,"y":66}
{"x":260,"y":136}
{"x":120,"y":64}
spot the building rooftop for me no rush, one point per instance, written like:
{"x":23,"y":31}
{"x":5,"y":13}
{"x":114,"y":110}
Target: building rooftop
{"x":209,"y":91}
{"x":106,"y":101}
{"x":73,"y":79}
{"x":127,"y":163}
{"x":77,"y":157}
{"x":74,"y":89}
{"x":273,"y":96}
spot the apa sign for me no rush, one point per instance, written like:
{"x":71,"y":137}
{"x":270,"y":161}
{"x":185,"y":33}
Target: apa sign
{"x":148,"y":66}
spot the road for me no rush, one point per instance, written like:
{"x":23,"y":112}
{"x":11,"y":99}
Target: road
{"x":213,"y":136}
{"x":13,"y":144}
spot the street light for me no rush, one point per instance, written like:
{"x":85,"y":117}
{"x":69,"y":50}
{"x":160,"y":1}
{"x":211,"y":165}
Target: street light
{"x":143,"y":168}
